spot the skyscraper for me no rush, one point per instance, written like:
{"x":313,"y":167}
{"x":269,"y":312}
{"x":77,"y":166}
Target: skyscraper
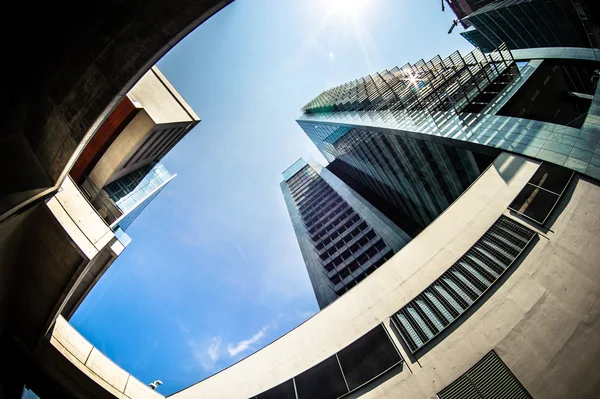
{"x":419,"y":135}
{"x":530,"y":24}
{"x":342,"y":237}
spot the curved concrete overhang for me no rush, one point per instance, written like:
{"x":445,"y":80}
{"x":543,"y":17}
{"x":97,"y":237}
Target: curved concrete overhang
{"x":542,"y":318}
{"x":71,"y":66}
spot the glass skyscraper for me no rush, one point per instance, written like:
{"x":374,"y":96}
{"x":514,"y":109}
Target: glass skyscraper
{"x":133,"y":192}
{"x":530,"y":24}
{"x":415,"y":137}
{"x":342,"y":237}
{"x":418,"y":176}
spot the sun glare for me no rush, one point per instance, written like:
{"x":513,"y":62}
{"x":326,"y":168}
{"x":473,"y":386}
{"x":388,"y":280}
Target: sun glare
{"x":348,"y":8}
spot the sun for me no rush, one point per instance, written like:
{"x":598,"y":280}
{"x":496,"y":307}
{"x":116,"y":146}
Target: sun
{"x":347,"y":8}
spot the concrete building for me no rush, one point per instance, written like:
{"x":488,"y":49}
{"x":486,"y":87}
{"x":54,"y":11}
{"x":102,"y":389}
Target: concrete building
{"x":72,"y":238}
{"x":144,"y":127}
{"x":533,"y":23}
{"x":85,"y":63}
{"x":54,"y":246}
{"x":342,"y":237}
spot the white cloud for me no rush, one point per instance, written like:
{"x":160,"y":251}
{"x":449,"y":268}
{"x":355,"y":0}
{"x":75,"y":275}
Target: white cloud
{"x":331,"y":55}
{"x":213,"y":349}
{"x":206,"y":355}
{"x":246,"y":343}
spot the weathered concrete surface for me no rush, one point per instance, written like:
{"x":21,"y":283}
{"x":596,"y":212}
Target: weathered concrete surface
{"x":50,"y":257}
{"x":95,"y":365}
{"x":543,"y":318}
{"x":159,"y":109}
{"x":73,"y":65}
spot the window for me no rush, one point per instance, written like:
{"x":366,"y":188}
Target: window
{"x":442,"y":303}
{"x":490,"y":378}
{"x":363,"y":360}
{"x":539,"y":197}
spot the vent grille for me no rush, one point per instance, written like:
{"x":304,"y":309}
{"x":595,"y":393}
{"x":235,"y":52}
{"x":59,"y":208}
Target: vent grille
{"x":490,"y":378}
{"x":444,"y":301}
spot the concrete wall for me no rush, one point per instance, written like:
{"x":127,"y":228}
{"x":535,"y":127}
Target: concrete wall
{"x":96,"y":366}
{"x":50,"y":256}
{"x":74,"y":65}
{"x":543,"y":318}
{"x":159,"y":107}
{"x":131,"y":138}
{"x":160,"y":99}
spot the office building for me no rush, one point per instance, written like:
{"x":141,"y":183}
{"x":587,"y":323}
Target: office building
{"x":532,"y":23}
{"x":497,"y":296}
{"x":146,"y":124}
{"x":133,"y":192}
{"x":342,"y":237}
{"x":463,"y":8}
{"x":417,"y":136}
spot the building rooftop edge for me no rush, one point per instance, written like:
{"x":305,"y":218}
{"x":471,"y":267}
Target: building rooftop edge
{"x":163,"y":79}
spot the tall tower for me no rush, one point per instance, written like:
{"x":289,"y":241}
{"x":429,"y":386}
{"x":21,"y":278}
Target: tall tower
{"x":342,"y":237}
{"x":531,"y":24}
{"x":418,"y":136}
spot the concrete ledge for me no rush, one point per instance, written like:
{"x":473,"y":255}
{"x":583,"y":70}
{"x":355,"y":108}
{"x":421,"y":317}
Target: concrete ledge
{"x":96,"y":365}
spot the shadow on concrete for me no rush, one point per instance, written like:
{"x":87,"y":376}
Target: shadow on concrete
{"x":509,"y":168}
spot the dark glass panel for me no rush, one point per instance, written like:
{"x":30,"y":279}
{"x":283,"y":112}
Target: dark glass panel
{"x":367,"y":357}
{"x":322,"y":381}
{"x":281,"y":391}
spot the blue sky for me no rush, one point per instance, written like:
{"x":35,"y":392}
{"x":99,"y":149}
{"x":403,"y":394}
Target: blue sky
{"x":214,"y":271}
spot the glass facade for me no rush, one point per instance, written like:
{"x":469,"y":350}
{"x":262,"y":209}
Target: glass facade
{"x":133,"y":192}
{"x":530,"y":24}
{"x":418,"y":136}
{"x":340,"y":242}
{"x":416,"y":175}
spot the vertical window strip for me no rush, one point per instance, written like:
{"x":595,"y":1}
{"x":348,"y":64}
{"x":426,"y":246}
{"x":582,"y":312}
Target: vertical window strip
{"x":463,"y":283}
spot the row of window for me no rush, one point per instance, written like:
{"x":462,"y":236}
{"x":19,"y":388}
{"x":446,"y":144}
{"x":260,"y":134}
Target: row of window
{"x":362,"y":270}
{"x":440,"y":304}
{"x":320,"y":213}
{"x":316,"y":201}
{"x":345,"y":238}
{"x":356,"y":246}
{"x":309,"y":191}
{"x":298,"y":191}
{"x":301,"y":176}
{"x":300,"y":184}
{"x":324,"y":220}
{"x":352,"y":367}
{"x":334,"y":234}
{"x":319,"y":232}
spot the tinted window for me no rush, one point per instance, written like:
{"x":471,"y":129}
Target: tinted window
{"x":282,"y":391}
{"x":322,"y":381}
{"x":367,"y":357}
